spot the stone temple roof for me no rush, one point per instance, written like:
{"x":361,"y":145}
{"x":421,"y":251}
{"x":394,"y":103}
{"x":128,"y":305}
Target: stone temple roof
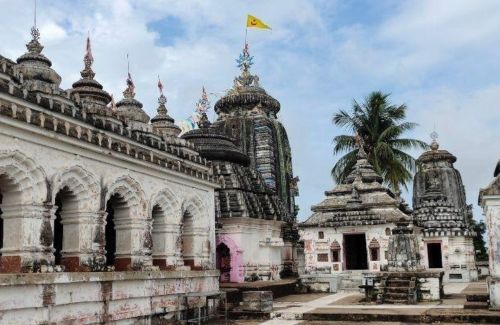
{"x":214,"y":145}
{"x":36,"y":67}
{"x":246,"y":93}
{"x":439,"y":202}
{"x":360,"y":200}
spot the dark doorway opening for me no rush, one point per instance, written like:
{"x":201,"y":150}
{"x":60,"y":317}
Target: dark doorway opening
{"x":58,"y":230}
{"x":66,"y":203}
{"x":434,"y":255}
{"x":355,"y":252}
{"x":223,"y":262}
{"x":112,"y":205}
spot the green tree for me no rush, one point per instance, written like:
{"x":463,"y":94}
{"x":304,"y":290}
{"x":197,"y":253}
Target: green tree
{"x":380,"y":125}
{"x":479,"y":243}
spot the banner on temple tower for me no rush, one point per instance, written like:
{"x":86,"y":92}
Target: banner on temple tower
{"x":255,"y":22}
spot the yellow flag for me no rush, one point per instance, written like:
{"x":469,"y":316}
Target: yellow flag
{"x":256,"y":23}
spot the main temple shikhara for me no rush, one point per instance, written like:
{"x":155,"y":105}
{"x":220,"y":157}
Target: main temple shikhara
{"x":109,"y":216}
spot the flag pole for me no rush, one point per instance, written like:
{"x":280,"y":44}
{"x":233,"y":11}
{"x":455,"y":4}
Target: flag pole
{"x":246,"y":33}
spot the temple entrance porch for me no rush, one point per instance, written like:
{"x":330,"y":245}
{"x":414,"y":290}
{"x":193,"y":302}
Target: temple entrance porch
{"x":356,"y":257}
{"x":434,"y":255}
{"x":223,"y":262}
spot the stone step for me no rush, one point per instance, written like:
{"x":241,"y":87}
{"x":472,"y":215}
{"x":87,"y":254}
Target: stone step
{"x":476,"y":305}
{"x":477,"y":297}
{"x":396,"y":301}
{"x":393,"y":296}
{"x":397,"y":289}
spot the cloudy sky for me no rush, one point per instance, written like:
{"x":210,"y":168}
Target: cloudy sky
{"x":441,"y":58}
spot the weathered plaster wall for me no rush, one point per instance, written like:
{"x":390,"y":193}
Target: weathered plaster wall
{"x":261,"y":246}
{"x":313,"y":246}
{"x":96,"y":297}
{"x":457,"y":257}
{"x":491,"y":209}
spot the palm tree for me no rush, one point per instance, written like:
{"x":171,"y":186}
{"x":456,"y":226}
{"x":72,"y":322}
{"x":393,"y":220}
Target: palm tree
{"x":380,"y":126}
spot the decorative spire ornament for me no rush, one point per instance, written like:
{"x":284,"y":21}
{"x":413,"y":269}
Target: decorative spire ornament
{"x":162,"y":101}
{"x":34,"y":45}
{"x":245,"y":60}
{"x":88,"y":60}
{"x":129,"y":93}
{"x":434,"y":137}
{"x":202,"y":107}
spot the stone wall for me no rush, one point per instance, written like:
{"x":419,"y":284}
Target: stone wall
{"x":256,"y":247}
{"x":98,"y":297}
{"x":313,"y":246}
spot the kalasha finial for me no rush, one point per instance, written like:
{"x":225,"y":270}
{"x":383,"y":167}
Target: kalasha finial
{"x":130,"y":91}
{"x":203,"y":104}
{"x":34,"y":45}
{"x":434,"y":144}
{"x":88,"y":60}
{"x":162,"y":100}
{"x":245,"y":60}
{"x":202,"y":107}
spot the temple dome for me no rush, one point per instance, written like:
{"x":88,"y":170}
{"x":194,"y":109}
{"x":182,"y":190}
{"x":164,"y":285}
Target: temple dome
{"x":90,"y":90}
{"x":213,"y":145}
{"x":34,"y":66}
{"x":246,"y":96}
{"x":162,"y":122}
{"x":437,"y":179}
{"x":130,"y":108}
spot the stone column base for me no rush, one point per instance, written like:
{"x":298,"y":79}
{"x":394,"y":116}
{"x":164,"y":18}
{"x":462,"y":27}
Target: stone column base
{"x":11,"y":264}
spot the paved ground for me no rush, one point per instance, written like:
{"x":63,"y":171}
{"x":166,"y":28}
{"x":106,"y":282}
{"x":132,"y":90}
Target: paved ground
{"x":289,"y":310}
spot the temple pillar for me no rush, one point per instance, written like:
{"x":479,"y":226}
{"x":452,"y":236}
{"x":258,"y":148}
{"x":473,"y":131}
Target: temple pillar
{"x":27,"y":238}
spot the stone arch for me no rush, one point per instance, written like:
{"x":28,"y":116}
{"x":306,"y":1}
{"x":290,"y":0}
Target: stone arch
{"x":131,"y":192}
{"x":169,"y":204}
{"x":194,"y":232}
{"x":164,"y":211}
{"x":81,"y":183}
{"x":236,"y":274}
{"x":76,"y":196}
{"x":28,"y":177}
{"x":23,"y":194}
{"x":127,"y":230}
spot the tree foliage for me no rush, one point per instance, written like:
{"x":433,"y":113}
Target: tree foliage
{"x":381,"y":126}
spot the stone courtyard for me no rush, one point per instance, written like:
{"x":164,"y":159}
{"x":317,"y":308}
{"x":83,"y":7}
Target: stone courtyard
{"x":349,"y":308}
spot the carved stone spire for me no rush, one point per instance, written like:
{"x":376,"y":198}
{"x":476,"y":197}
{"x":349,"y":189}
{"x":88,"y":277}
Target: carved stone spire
{"x":36,"y":67}
{"x":202,"y":107}
{"x":246,"y":79}
{"x":88,"y":60}
{"x":162,"y":122}
{"x":129,"y":107}
{"x":93,"y":98}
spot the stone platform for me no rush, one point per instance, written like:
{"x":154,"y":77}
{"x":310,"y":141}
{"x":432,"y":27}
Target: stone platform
{"x":279,"y":288}
{"x":103,"y":297}
{"x":349,"y":308}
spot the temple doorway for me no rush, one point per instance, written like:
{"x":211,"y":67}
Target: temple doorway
{"x":434,"y":255}
{"x":356,"y":257}
{"x":223,"y":262}
{"x":114,"y":207}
